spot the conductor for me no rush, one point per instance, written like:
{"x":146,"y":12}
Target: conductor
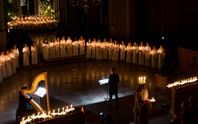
{"x":113,"y":86}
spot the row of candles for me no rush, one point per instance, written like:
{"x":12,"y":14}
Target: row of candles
{"x":183,"y":82}
{"x":30,"y":20}
{"x":48,"y":115}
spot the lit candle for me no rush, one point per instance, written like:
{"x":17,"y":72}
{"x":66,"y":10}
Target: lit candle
{"x":63,"y":109}
{"x":67,"y":109}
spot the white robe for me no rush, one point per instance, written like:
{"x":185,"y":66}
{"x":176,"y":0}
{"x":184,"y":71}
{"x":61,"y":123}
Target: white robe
{"x":1,"y":75}
{"x":88,"y":52}
{"x":3,"y":65}
{"x":81,"y":47}
{"x":122,"y":52}
{"x":8,"y":65}
{"x":62,"y":48}
{"x":160,"y":57}
{"x":110,"y":51}
{"x":98,"y":51}
{"x":104,"y":51}
{"x":45,"y":49}
{"x":135,"y":54}
{"x":153,"y":54}
{"x":25,"y":56}
{"x":141,"y":54}
{"x":147,"y":56}
{"x":116,"y":52}
{"x":57,"y":49}
{"x":69,"y":48}
{"x":93,"y":50}
{"x":13,"y":62}
{"x":75,"y":48}
{"x":129,"y":54}
{"x":34,"y":55}
{"x":16,"y":54}
{"x":52,"y":50}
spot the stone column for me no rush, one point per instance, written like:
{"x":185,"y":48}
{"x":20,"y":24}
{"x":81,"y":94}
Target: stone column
{"x":119,"y":13}
{"x":3,"y":33}
{"x":36,"y":7}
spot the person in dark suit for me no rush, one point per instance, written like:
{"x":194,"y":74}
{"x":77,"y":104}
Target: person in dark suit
{"x":113,"y":86}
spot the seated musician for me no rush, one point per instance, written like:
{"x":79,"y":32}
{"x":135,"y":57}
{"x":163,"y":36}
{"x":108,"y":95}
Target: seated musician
{"x":24,"y":107}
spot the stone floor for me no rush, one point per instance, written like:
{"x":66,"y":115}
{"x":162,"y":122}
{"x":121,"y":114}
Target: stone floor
{"x":76,"y":82}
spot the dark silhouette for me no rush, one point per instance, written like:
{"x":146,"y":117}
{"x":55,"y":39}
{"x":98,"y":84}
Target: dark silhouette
{"x":113,"y":86}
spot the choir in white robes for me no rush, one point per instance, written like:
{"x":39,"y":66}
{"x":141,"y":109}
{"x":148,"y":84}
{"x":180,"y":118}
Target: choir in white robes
{"x":26,"y":53}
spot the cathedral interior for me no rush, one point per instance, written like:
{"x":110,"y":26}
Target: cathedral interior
{"x":76,"y":42}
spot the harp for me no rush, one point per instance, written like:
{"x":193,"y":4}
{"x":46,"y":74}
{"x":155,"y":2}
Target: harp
{"x":40,"y":77}
{"x":68,"y":115}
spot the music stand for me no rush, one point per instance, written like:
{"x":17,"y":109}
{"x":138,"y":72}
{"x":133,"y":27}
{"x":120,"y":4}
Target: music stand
{"x":105,"y":83}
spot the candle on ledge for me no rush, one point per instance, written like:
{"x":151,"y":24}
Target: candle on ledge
{"x":63,"y":109}
{"x":58,"y":110}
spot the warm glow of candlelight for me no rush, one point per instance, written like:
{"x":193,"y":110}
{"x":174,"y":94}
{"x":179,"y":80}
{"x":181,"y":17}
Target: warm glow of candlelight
{"x":142,"y":79}
{"x":152,"y":99}
{"x":182,"y":82}
{"x":49,"y":114}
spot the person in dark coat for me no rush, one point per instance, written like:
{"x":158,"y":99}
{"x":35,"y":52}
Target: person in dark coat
{"x":113,"y":86}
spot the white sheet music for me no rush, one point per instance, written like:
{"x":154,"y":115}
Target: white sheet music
{"x":103,"y":81}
